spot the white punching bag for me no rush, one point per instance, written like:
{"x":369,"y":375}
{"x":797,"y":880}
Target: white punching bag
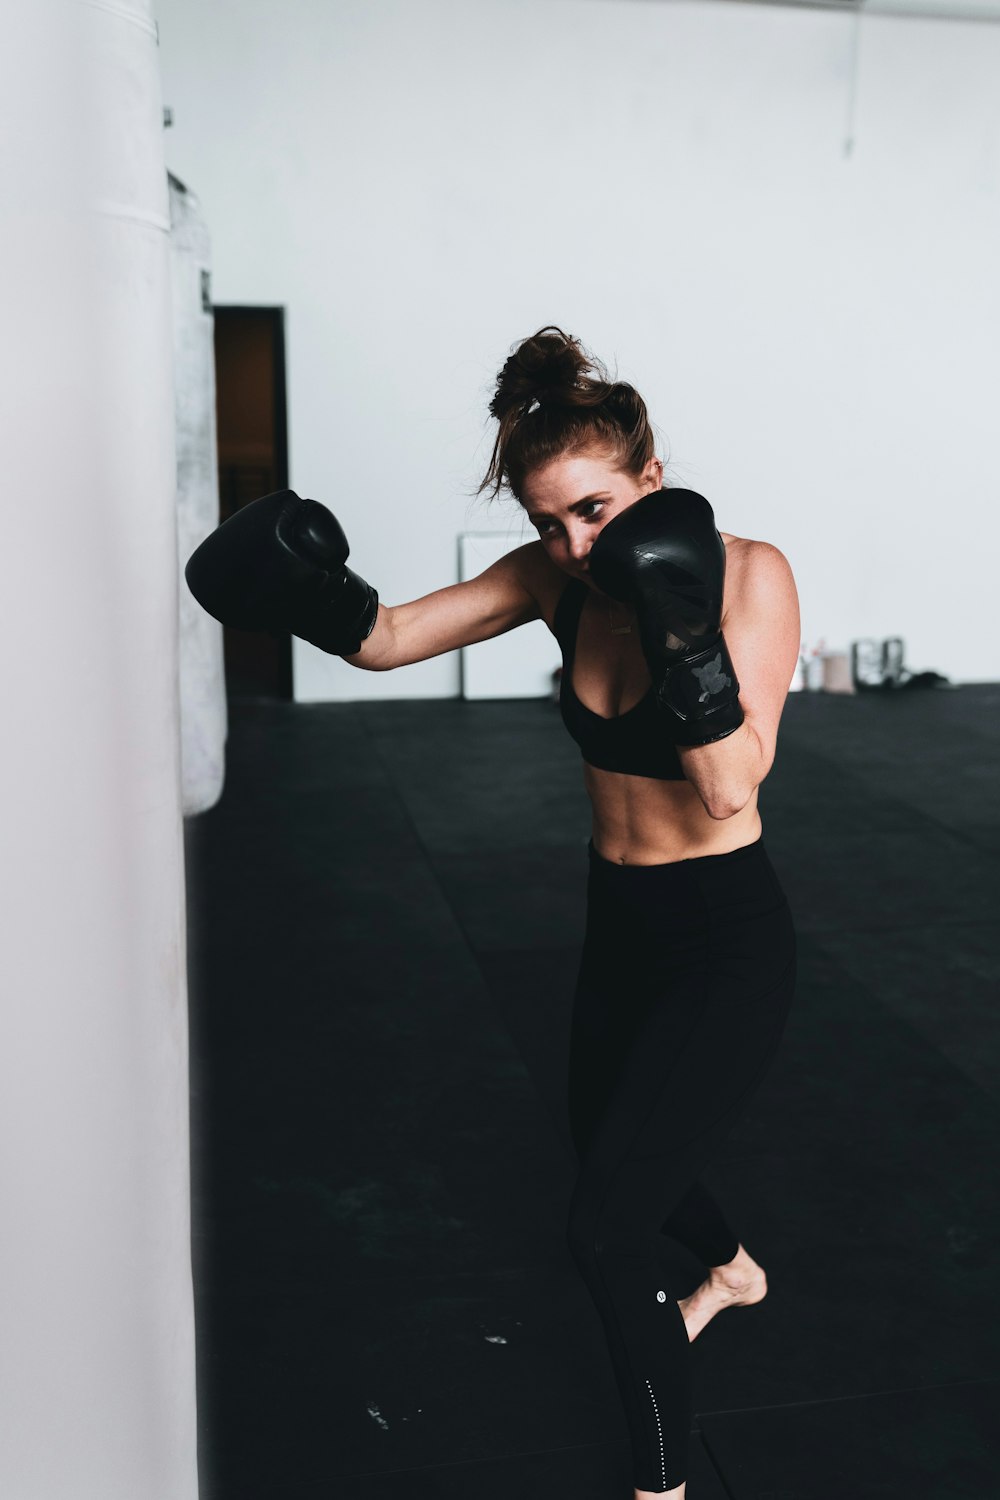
{"x":97,"y":1387}
{"x":202,"y":669}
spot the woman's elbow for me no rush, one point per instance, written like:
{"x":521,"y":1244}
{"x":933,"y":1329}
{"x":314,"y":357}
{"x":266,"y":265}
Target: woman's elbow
{"x":729,"y":801}
{"x":720,"y":809}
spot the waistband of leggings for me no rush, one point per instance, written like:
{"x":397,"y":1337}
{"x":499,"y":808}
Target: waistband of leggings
{"x":701,"y":861}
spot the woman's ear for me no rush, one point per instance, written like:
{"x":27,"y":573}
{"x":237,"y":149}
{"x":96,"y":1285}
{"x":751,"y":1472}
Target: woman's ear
{"x":654,"y":473}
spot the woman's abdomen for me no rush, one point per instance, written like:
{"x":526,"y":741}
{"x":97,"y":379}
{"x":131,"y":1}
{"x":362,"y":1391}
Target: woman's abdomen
{"x":641,"y":821}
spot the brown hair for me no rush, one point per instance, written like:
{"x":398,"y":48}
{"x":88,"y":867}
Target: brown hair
{"x":553,"y":397}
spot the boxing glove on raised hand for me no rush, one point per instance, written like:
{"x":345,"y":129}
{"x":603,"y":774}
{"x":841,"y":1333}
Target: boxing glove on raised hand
{"x":279,"y":564}
{"x":664,"y":556}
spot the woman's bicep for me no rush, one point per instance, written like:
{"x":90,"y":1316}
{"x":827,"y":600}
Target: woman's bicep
{"x":495,"y":601}
{"x":762,"y":634}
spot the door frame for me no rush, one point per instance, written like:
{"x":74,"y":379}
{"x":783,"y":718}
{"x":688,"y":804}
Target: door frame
{"x":276,"y":316}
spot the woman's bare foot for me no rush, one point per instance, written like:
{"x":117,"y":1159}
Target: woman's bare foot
{"x":737,"y":1284}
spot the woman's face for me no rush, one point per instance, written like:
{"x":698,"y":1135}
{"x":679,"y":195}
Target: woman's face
{"x":571,"y":499}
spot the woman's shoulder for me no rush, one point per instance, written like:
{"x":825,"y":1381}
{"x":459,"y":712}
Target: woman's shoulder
{"x":754,"y":559}
{"x":543,"y":580}
{"x":757,"y":574}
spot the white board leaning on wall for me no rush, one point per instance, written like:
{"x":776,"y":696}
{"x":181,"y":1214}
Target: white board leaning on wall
{"x":518,"y":664}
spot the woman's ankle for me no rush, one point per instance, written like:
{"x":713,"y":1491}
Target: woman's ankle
{"x":739,"y":1268}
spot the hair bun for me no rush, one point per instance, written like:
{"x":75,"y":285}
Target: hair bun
{"x":553,"y":397}
{"x":542,"y":369}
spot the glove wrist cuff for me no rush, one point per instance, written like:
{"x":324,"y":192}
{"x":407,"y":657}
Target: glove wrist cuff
{"x":342,"y":617}
{"x":700,"y":696}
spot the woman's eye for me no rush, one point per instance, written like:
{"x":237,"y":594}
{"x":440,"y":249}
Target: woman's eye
{"x":590,"y":512}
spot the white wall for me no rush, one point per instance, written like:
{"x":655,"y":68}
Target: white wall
{"x":423,"y":182}
{"x":97,"y":1379}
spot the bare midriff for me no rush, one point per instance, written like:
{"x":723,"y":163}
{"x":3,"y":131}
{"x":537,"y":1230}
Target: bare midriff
{"x":641,"y":821}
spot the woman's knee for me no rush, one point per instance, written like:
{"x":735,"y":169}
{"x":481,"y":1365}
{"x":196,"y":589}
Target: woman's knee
{"x":599,"y":1238}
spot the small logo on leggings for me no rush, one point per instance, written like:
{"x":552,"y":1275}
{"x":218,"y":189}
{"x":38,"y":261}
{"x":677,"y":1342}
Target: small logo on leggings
{"x":661,"y":1296}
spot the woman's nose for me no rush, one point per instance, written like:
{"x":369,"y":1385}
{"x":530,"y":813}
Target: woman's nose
{"x":579,"y":545}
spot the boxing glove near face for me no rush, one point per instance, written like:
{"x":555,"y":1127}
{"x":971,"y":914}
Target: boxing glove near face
{"x":279,"y":564}
{"x":664,"y":556}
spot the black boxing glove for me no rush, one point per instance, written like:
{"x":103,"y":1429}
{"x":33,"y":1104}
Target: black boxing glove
{"x":664,"y":556}
{"x":278,"y":564}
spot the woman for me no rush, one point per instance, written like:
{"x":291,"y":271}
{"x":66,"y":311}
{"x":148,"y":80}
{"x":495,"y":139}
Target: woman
{"x":688,"y":962}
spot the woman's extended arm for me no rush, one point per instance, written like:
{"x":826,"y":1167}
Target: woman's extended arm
{"x":762,"y":632}
{"x":279,"y":564}
{"x":500,"y":598}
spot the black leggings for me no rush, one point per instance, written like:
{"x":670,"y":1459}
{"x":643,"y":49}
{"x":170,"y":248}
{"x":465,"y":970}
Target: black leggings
{"x":685,"y":984}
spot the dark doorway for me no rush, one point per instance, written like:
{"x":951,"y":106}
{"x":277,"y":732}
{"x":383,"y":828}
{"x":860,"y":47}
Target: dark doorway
{"x":252,"y":431}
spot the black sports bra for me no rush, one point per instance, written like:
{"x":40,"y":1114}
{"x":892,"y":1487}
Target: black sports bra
{"x":634,"y":742}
